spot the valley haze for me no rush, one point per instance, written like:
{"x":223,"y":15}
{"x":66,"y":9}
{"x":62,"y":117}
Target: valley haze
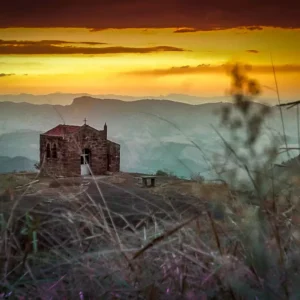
{"x":154,"y":134}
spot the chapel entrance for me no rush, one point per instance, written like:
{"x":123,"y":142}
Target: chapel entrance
{"x":85,"y":162}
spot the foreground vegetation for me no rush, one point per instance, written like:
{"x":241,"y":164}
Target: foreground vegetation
{"x":240,"y":247}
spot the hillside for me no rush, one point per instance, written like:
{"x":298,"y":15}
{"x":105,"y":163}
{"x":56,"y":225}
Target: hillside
{"x":16,"y":164}
{"x":203,"y":225}
{"x":67,"y":98}
{"x":20,"y":143}
{"x":97,"y":111}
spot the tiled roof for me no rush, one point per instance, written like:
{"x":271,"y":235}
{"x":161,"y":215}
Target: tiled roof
{"x":61,"y":130}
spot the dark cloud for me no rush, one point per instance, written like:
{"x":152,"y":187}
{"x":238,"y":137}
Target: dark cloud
{"x":207,"y":68}
{"x":252,"y":51}
{"x":201,"y":15}
{"x":59,"y":47}
{"x":45,"y":43}
{"x":5,"y":75}
{"x":178,"y":70}
{"x":185,"y":30}
{"x":255,"y":27}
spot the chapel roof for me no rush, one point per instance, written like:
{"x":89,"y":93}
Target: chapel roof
{"x":61,"y":130}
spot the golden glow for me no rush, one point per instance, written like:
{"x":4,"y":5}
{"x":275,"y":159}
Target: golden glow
{"x":120,"y":73}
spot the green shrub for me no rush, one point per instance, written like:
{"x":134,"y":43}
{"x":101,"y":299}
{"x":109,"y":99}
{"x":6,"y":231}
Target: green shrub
{"x":197,"y":177}
{"x":164,"y":173}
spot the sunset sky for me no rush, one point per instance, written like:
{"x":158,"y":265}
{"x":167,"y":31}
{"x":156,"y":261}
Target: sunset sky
{"x":140,"y":48}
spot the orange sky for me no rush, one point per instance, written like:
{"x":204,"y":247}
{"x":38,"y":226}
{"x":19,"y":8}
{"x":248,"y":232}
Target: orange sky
{"x":145,"y":61}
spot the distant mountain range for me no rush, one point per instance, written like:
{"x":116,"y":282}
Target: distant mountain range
{"x":154,"y":134}
{"x":27,"y":116}
{"x":16,"y":164}
{"x":67,"y":98}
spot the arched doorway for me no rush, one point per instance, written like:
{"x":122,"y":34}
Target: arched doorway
{"x":85,"y":162}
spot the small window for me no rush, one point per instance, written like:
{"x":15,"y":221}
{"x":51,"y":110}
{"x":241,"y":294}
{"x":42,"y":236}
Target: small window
{"x":48,"y":151}
{"x":54,"y":151}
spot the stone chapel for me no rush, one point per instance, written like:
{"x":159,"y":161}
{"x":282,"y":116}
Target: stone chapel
{"x":68,"y":150}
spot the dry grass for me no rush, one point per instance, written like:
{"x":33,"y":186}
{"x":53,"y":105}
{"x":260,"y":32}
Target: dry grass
{"x":71,"y":248}
{"x":11,"y":181}
{"x":204,"y":191}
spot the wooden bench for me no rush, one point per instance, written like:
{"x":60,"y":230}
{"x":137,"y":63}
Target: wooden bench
{"x":145,"y":181}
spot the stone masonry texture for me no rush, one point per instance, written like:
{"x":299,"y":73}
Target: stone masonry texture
{"x":70,"y":144}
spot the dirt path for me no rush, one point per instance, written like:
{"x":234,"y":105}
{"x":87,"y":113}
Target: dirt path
{"x":122,"y":194}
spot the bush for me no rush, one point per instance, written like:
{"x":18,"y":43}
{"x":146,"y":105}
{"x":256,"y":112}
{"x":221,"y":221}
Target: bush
{"x":162,"y":173}
{"x":37,"y":165}
{"x":197,"y":177}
